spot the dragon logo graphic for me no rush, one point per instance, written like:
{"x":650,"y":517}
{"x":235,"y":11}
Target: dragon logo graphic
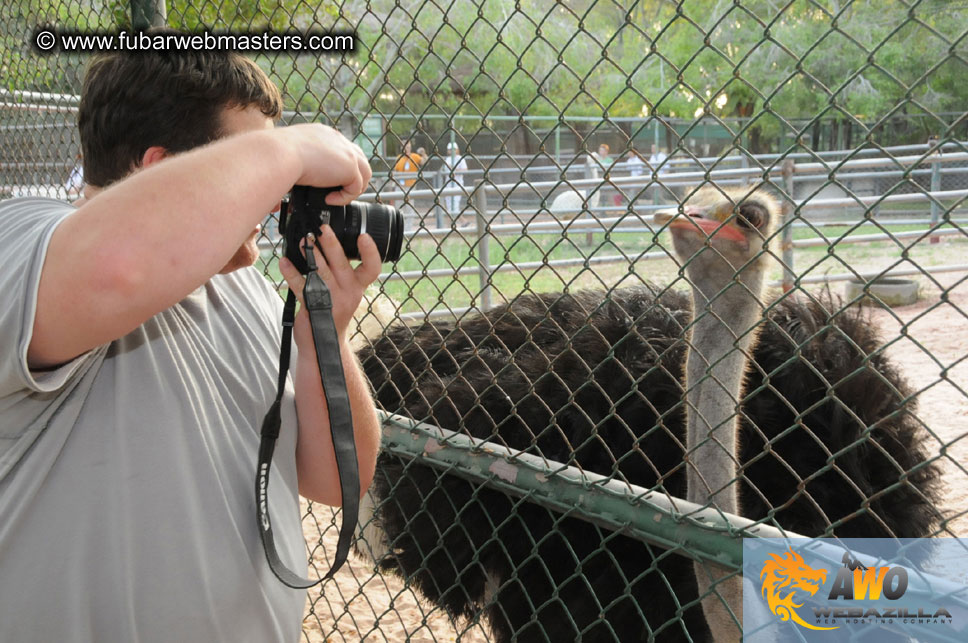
{"x":782,"y":577}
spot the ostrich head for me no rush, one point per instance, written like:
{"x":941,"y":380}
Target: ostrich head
{"x":721,"y":233}
{"x":719,"y":237}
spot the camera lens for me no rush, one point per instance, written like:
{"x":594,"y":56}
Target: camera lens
{"x":384,"y":224}
{"x":308,"y":211}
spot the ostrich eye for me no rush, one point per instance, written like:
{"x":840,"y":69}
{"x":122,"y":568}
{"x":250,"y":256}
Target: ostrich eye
{"x":751,"y":215}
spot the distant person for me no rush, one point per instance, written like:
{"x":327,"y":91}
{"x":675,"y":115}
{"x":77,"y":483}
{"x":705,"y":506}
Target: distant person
{"x":634,"y":163}
{"x":658,"y":160}
{"x":408,"y":162}
{"x":635,"y":166}
{"x":604,"y":159}
{"x":603,"y":155}
{"x":454,"y":168}
{"x":75,"y":182}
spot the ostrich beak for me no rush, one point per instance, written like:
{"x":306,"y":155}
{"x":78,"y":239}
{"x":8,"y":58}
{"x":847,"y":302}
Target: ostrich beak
{"x":698,"y":219}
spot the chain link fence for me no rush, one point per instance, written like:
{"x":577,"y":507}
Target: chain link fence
{"x":538,"y":327}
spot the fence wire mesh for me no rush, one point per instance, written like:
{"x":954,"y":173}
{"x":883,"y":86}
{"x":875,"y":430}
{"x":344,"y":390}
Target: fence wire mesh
{"x":541,"y":319}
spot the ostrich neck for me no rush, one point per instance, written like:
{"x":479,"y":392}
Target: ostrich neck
{"x":721,"y":340}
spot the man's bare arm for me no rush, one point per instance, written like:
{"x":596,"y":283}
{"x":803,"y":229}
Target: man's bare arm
{"x":143,"y":244}
{"x":315,"y":459}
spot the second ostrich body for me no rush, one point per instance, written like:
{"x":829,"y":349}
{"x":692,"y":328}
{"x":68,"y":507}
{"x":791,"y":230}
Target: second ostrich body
{"x":827,"y":445}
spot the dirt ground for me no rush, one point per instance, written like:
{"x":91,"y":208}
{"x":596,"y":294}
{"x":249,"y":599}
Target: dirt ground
{"x":361,"y":605}
{"x":928,"y":339}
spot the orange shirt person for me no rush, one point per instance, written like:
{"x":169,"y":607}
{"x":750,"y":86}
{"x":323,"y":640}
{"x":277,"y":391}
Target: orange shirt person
{"x":408,"y":162}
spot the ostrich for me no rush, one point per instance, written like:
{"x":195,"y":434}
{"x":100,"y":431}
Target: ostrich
{"x":827,"y":444}
{"x":726,"y":260}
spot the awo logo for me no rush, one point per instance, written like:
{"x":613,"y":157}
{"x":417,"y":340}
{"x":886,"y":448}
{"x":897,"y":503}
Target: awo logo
{"x":856,"y":582}
{"x":784,"y":576}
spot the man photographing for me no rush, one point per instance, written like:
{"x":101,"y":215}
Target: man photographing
{"x":140,"y":357}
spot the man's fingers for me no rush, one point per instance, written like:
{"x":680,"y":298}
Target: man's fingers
{"x":322,"y":267}
{"x":330,"y":160}
{"x":357,"y":177}
{"x":346,"y":193}
{"x":297,"y":281}
{"x":339,"y":265}
{"x":369,"y":268}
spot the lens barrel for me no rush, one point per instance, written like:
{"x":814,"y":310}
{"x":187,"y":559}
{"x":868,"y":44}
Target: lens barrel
{"x":307,"y":211}
{"x":384,"y":224}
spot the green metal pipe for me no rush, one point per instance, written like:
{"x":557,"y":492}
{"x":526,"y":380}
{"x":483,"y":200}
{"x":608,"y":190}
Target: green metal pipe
{"x":786,"y":235}
{"x":683,"y":527}
{"x":686,"y":528}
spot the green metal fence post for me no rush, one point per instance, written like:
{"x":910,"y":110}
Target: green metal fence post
{"x":935,"y":184}
{"x":558,"y":142}
{"x":483,"y":245}
{"x":438,"y":183}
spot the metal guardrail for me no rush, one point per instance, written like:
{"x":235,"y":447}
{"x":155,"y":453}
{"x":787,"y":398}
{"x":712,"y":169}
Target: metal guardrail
{"x":682,"y":527}
{"x":639,"y":216}
{"x":673,"y":523}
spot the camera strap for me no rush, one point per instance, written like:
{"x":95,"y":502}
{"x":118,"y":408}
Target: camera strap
{"x":319,"y":305}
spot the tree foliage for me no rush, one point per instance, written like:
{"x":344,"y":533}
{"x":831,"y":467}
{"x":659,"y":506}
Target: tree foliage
{"x":766,"y":61}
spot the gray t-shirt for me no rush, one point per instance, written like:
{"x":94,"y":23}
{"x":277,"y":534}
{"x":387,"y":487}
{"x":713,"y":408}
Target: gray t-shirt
{"x":127,"y":476}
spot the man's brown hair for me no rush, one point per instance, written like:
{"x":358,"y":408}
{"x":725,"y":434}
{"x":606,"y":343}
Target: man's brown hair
{"x":133,"y":101}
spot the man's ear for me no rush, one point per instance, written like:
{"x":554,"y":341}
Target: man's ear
{"x":153,"y":155}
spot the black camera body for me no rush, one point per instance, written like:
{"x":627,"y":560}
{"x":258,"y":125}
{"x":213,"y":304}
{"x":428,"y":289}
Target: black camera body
{"x":306,"y":211}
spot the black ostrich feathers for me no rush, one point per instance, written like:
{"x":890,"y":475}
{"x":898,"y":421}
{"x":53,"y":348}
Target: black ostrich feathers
{"x":594,"y":379}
